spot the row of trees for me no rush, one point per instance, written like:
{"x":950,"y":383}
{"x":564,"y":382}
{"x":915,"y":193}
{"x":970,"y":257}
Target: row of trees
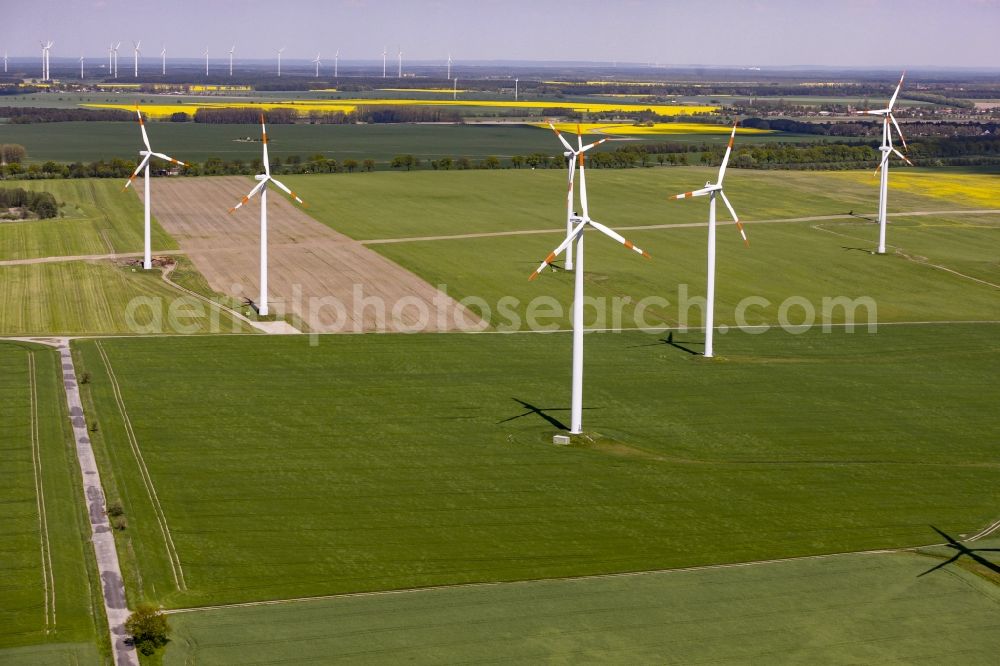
{"x":41,"y":204}
{"x":18,"y":115}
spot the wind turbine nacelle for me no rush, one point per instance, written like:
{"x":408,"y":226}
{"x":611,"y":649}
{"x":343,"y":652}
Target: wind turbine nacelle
{"x":567,"y":153}
{"x":260,"y":176}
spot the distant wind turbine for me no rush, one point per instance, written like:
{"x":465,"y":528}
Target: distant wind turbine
{"x":115,"y":49}
{"x":385,"y":52}
{"x":887,"y":149}
{"x":206,"y":61}
{"x":261,"y":186}
{"x":399,"y":57}
{"x":449,"y":65}
{"x":231,"y":59}
{"x":5,"y":61}
{"x":316,"y":61}
{"x":336,"y":64}
{"x":163,"y":60}
{"x":81,"y":68}
{"x":136,"y":50}
{"x":280,"y":51}
{"x":711,"y":190}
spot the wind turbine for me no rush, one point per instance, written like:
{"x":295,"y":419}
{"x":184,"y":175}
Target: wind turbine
{"x":231,"y":59}
{"x":136,"y":49}
{"x":163,"y":60}
{"x":45,"y":59}
{"x":81,"y":68}
{"x":115,"y":49}
{"x":515,"y":90}
{"x":111,"y":53}
{"x":280,"y":51}
{"x":886,"y":148}
{"x":399,"y":57}
{"x":572,"y":154}
{"x":261,"y":187}
{"x":5,"y":61}
{"x":206,"y":61}
{"x":711,"y":191}
{"x":576,"y":235}
{"x":336,"y":64}
{"x":316,"y":62}
{"x":449,"y":65}
{"x":144,"y":167}
{"x":384,"y":53}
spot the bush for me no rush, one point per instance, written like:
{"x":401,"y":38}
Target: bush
{"x":148,"y":629}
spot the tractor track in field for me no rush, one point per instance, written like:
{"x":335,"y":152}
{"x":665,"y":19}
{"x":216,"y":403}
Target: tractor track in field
{"x":48,"y":579}
{"x":147,"y":479}
{"x":987,"y":531}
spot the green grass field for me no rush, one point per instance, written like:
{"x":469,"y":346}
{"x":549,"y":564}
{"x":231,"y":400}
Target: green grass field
{"x":88,"y":298}
{"x":845,"y":609}
{"x":804,"y":260}
{"x":196,"y":142}
{"x":381,"y":462}
{"x":97,"y":218}
{"x":49,"y":603}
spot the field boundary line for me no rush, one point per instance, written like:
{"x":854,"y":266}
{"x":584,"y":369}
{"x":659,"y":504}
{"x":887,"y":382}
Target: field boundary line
{"x":685,"y":225}
{"x":175,"y":560}
{"x":48,"y":577}
{"x":622,"y":574}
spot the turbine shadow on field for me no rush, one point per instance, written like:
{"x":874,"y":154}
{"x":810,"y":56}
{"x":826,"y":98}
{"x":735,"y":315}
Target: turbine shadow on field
{"x":542,"y":412}
{"x":962,"y":549}
{"x":669,"y":341}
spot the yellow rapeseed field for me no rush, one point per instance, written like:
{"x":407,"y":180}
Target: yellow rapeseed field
{"x":974,"y":189}
{"x":657,"y":128}
{"x":347,"y":105}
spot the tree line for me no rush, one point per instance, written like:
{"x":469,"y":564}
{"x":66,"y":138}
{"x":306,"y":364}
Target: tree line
{"x":42,"y":204}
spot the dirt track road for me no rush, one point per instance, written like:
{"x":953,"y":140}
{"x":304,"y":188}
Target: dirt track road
{"x":330,"y":281}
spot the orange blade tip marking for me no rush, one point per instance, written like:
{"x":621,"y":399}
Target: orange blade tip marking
{"x":629,"y":244}
{"x":532,"y":276}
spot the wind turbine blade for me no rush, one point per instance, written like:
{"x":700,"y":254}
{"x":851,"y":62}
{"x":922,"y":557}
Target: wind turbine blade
{"x":885,"y":159}
{"x":896,"y":94}
{"x":697,"y":193}
{"x":263,"y":140}
{"x":562,"y":139}
{"x":898,"y":131}
{"x":725,"y":159}
{"x":142,"y":164}
{"x":281,"y":186}
{"x":902,"y":157}
{"x":596,"y":143}
{"x":736,"y":219}
{"x":142,"y":126}
{"x":559,"y":250}
{"x":168,"y":158}
{"x":611,"y":233}
{"x":256,"y":188}
{"x":943,"y":564}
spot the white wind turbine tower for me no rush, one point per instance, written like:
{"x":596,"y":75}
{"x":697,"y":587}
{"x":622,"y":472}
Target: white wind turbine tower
{"x":231,"y":59}
{"x":711,"y":191}
{"x":81,"y":68}
{"x":887,"y":149}
{"x":280,"y":51}
{"x":576,"y":235}
{"x":515,"y":90}
{"x":136,"y":50}
{"x":115,"y":50}
{"x":316,"y":61}
{"x":573,"y":154}
{"x":336,"y":64}
{"x":146,"y":154}
{"x":5,"y":61}
{"x":163,"y":60}
{"x":206,"y":61}
{"x":399,"y":57}
{"x":385,"y":52}
{"x":261,"y":187}
{"x":449,"y":65}
{"x":46,"y":75}
{"x":111,"y":54}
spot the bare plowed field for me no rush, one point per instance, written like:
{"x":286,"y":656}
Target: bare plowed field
{"x":332,"y":283}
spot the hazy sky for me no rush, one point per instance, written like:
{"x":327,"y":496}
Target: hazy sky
{"x":882,"y":33}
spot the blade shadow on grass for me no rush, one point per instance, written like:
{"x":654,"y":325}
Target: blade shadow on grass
{"x":669,"y":341}
{"x":542,"y":412}
{"x":964,"y":550}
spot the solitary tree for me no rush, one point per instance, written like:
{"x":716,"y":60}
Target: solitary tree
{"x":148,"y":628}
